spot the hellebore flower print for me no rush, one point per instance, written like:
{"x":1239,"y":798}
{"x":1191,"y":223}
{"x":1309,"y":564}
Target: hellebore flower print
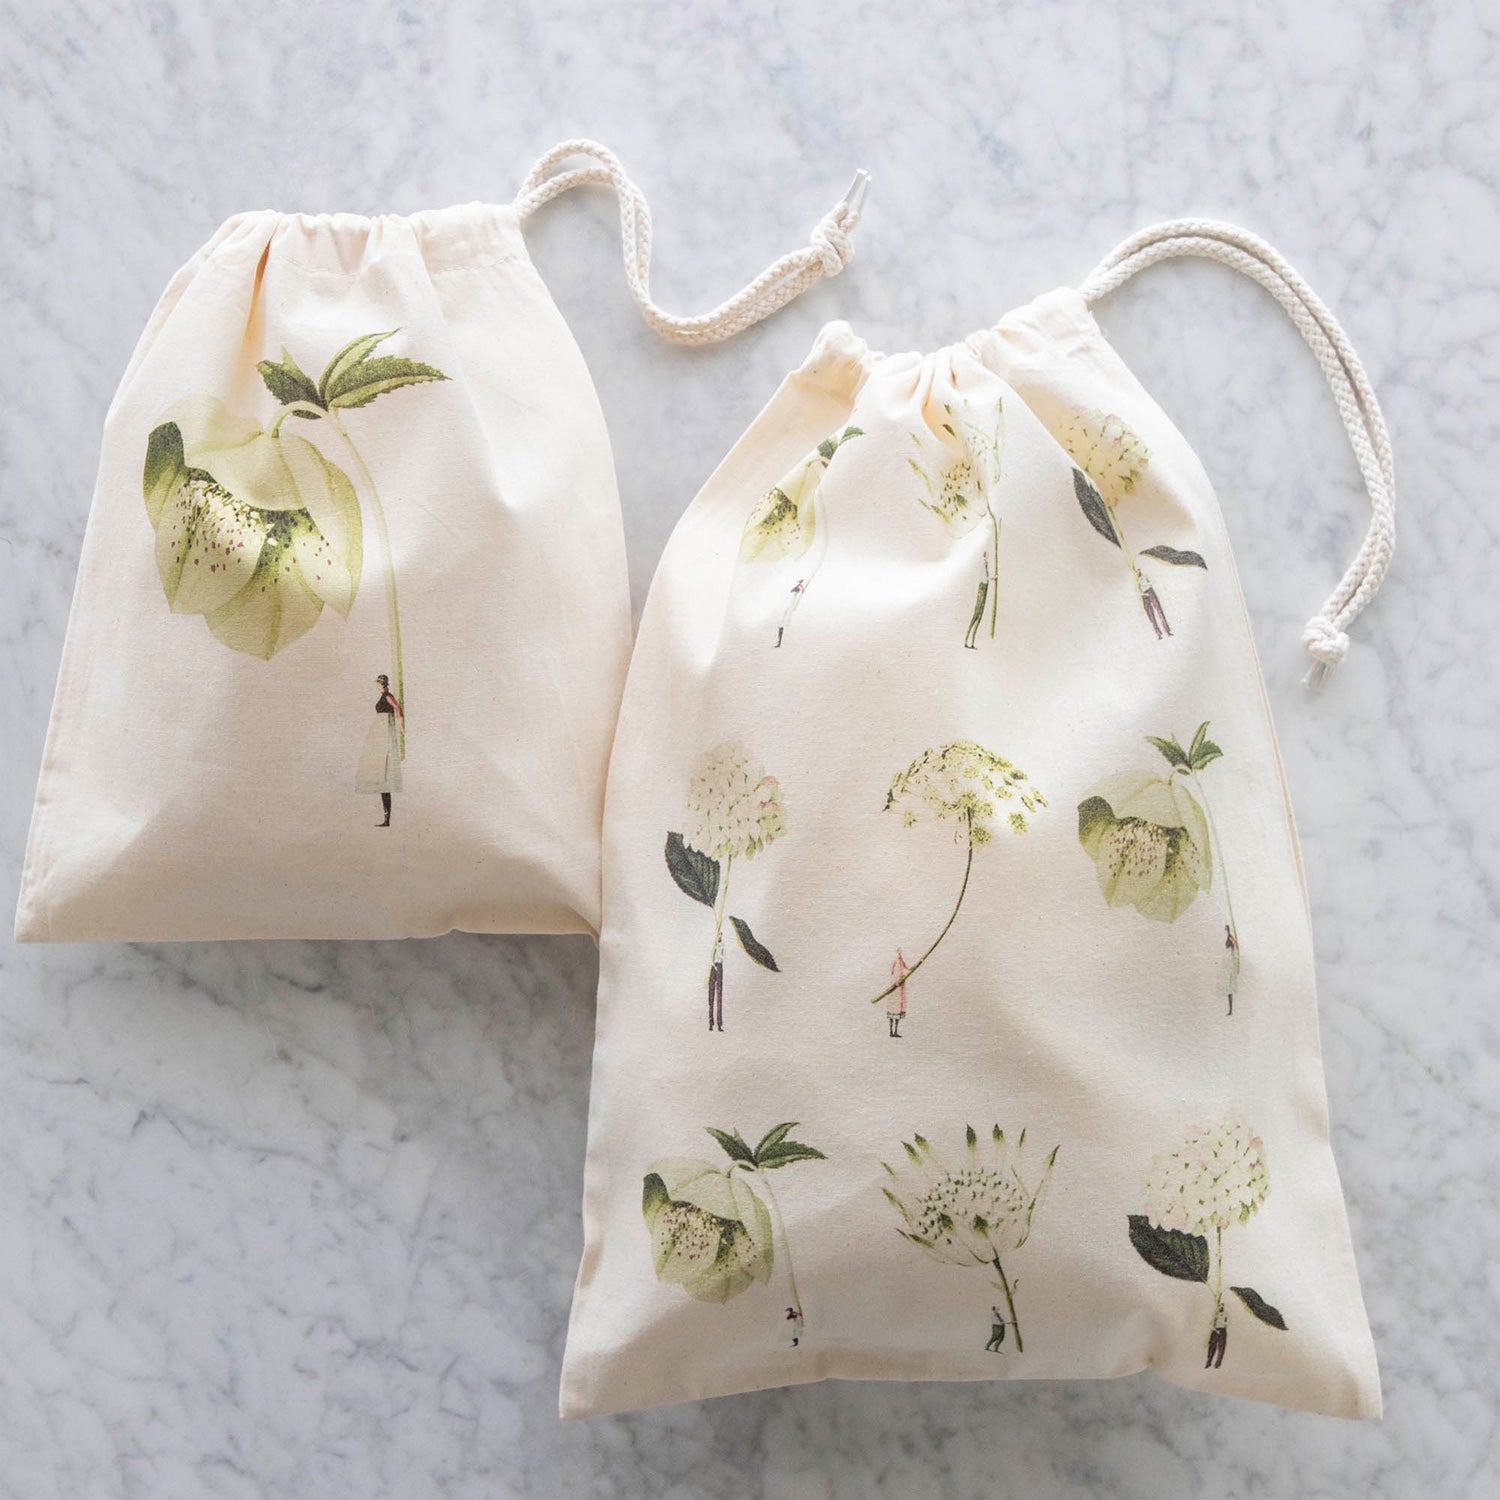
{"x":256,"y":529}
{"x":974,"y":789}
{"x":1152,"y":840}
{"x":959,"y":469}
{"x":711,"y":1233}
{"x":972,"y":1211}
{"x":1214,"y":1180}
{"x":1109,"y":460}
{"x":791,"y":517}
{"x":734,"y":811}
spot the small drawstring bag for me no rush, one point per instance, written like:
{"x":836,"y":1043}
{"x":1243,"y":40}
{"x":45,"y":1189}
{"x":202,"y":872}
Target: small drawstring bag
{"x":956,"y":1010}
{"x":352,"y":616}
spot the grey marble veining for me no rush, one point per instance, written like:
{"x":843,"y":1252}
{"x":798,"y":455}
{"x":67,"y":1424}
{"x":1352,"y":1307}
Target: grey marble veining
{"x":302,"y":1219}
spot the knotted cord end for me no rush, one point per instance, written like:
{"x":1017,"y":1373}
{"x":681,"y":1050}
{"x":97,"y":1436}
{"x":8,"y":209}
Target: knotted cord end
{"x":1327,"y":645}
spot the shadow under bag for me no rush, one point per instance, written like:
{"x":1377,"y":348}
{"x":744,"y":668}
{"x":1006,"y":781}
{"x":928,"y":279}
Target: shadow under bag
{"x":352,"y":617}
{"x":956,"y":1008}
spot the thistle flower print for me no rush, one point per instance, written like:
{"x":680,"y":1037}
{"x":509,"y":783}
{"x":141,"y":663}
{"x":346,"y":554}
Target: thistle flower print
{"x":1153,"y":841}
{"x":734,"y":810}
{"x":711,"y":1233}
{"x":976,"y":790}
{"x":1214,"y":1180}
{"x":256,"y":528}
{"x":791,"y":517}
{"x":972,"y":1211}
{"x":957,"y":464}
{"x":1109,"y":462}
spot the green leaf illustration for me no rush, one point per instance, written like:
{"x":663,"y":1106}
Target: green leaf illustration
{"x":774,"y":1136}
{"x":830,"y":445}
{"x":696,"y":873}
{"x":1174,"y":752}
{"x":351,"y":354}
{"x":786,"y":1153}
{"x":1178,"y":559}
{"x":1206,"y":755}
{"x":758,"y":951}
{"x":165,"y":468}
{"x":734,"y":1144}
{"x":288,"y":383}
{"x":1170,"y":1251}
{"x":361,"y":383}
{"x":1094,"y":507}
{"x":1259,"y":1306}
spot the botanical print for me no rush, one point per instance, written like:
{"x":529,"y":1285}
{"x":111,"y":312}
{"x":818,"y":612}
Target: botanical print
{"x":255,"y":529}
{"x":711,"y":1233}
{"x":790,"y":517}
{"x":965,"y":783}
{"x":1152,"y":839}
{"x":379,"y":768}
{"x":958,"y":489}
{"x":732,"y":811}
{"x":1110,"y":459}
{"x":972,"y":1213}
{"x":1214,"y":1180}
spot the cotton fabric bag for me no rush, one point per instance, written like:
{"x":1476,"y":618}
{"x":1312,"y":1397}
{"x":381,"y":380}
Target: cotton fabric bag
{"x":956,"y":1009}
{"x":352,"y":616}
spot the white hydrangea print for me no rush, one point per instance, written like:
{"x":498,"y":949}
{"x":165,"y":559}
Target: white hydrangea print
{"x":1214,"y":1180}
{"x":734,"y":810}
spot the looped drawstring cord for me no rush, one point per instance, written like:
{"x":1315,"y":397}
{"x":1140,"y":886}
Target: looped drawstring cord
{"x":1325,"y":637}
{"x":827,"y":252}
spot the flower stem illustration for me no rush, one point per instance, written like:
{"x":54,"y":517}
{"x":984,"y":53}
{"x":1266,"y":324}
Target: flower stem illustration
{"x":959,"y":485}
{"x":732,"y":811}
{"x":1153,"y":841}
{"x":1214,"y":1180}
{"x":256,"y":529}
{"x":964,"y":783}
{"x":972,"y":1213}
{"x":1109,"y":460}
{"x":791,"y":517}
{"x":711,"y":1232}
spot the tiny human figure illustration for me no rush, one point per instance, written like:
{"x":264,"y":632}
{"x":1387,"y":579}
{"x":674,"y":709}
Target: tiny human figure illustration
{"x":1218,"y":1339}
{"x":794,"y":1317}
{"x":895,"y":1003}
{"x":791,"y":609}
{"x":1151,"y":603}
{"x":379,"y":768}
{"x":716,"y":985}
{"x":997,"y":1331}
{"x":1231,"y":967}
{"x":980,"y":596}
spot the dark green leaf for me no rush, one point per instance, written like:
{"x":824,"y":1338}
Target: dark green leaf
{"x":696,"y":873}
{"x":1259,"y":1306}
{"x":1170,"y":1251}
{"x":758,"y":951}
{"x":1174,"y":752}
{"x":349,"y":356}
{"x":1094,"y":507}
{"x":654,"y":1194}
{"x":287,"y":383}
{"x":969,"y":1135}
{"x":774,"y":1136}
{"x":1166,"y":554}
{"x":360,"y":384}
{"x":734,"y":1144}
{"x":1208,"y":753}
{"x":1198,"y":740}
{"x":788,"y":1152}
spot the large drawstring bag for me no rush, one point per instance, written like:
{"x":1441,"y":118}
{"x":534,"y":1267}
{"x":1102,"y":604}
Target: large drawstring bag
{"x":956,"y":1015}
{"x":352,"y":617}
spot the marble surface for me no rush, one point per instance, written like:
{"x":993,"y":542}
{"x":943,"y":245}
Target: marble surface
{"x":302,"y":1219}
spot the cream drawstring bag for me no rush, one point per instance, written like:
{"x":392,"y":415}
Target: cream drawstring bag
{"x":352,"y":616}
{"x":956,"y":1014}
